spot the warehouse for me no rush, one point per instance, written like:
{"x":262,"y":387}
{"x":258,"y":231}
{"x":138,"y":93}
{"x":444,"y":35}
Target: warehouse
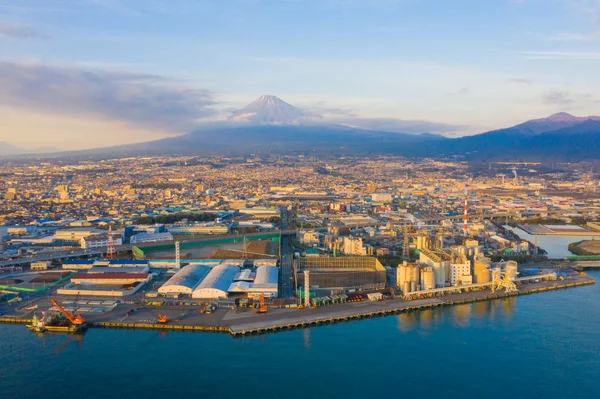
{"x":216,"y":283}
{"x":123,"y":269}
{"x":185,"y":280}
{"x":342,"y":274}
{"x":78,"y":264}
{"x":110,"y":278}
{"x":266,"y":282}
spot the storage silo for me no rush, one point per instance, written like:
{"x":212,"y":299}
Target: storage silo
{"x":482,"y":273}
{"x":414,"y":275}
{"x":427,"y":278}
{"x":402,"y":275}
{"x":406,"y":287}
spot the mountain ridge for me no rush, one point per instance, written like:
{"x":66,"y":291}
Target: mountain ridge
{"x":272,"y":125}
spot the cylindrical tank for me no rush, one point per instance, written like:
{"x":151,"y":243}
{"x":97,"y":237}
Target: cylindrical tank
{"x":406,"y":287}
{"x":401,"y":275}
{"x":510,"y":268}
{"x":414,"y":278}
{"x":482,"y":273}
{"x":413,"y":286}
{"x":427,"y":278}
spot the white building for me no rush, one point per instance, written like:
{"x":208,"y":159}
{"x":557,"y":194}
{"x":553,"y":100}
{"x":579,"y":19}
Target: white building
{"x":216,"y":283}
{"x":308,"y":237}
{"x":381,"y":197}
{"x":353,"y":246}
{"x":460,"y":274}
{"x":185,"y":280}
{"x":100,"y":241}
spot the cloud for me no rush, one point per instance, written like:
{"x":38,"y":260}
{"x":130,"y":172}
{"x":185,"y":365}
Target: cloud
{"x":561,"y":55}
{"x":321,"y":108}
{"x":558,"y":97}
{"x":461,"y":92}
{"x":138,"y":99}
{"x":403,"y":126}
{"x":573,"y":37}
{"x":17,"y":31}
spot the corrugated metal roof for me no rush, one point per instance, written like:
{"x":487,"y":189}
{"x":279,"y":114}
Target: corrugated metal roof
{"x":266,"y":275}
{"x":108,"y":276}
{"x":219,"y":278}
{"x":188,"y":277}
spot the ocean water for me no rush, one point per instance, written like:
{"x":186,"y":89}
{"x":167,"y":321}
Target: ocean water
{"x":545,"y":345}
{"x":556,"y":246}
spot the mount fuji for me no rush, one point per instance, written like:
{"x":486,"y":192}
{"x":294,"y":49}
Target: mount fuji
{"x":272,"y":110}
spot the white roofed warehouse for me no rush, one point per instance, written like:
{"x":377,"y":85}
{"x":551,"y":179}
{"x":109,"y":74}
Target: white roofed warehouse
{"x":266,"y":281}
{"x":185,"y":280}
{"x":215,"y":285}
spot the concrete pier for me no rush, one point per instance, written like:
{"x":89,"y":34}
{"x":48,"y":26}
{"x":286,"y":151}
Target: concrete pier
{"x":246,"y":323}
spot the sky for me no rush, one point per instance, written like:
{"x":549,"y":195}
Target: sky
{"x":88,"y":73}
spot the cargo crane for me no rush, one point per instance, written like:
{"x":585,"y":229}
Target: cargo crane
{"x":76,"y":320}
{"x":262,"y":307}
{"x":161,"y":318}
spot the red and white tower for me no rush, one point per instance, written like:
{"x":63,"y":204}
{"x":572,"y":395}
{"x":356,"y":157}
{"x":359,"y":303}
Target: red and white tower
{"x":111,"y":252}
{"x":466,"y":213}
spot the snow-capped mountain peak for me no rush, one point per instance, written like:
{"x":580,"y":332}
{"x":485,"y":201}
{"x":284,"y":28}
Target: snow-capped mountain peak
{"x":268,"y":109}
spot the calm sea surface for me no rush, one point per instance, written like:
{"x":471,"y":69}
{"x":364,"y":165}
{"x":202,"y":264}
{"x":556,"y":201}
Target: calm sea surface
{"x":536,"y":346}
{"x":556,"y":246}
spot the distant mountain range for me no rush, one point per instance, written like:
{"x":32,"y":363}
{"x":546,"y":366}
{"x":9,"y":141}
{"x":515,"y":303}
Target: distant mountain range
{"x":270,"y":125}
{"x":9,"y":149}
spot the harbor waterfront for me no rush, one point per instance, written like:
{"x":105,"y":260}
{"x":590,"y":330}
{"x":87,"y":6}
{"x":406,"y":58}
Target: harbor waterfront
{"x":535,"y":345}
{"x":241,"y":323}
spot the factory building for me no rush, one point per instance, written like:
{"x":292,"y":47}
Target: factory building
{"x":216,"y":283}
{"x":337,"y":275}
{"x":440,"y":262}
{"x":408,"y":277}
{"x":185,"y":280}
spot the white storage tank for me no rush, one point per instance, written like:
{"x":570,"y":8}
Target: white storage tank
{"x":427,"y":278}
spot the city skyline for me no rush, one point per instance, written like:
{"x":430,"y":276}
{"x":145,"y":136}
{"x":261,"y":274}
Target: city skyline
{"x":83,"y":74}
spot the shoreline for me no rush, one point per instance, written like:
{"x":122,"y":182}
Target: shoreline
{"x":296,"y":319}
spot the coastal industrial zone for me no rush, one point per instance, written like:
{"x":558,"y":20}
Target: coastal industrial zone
{"x":265,"y":243}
